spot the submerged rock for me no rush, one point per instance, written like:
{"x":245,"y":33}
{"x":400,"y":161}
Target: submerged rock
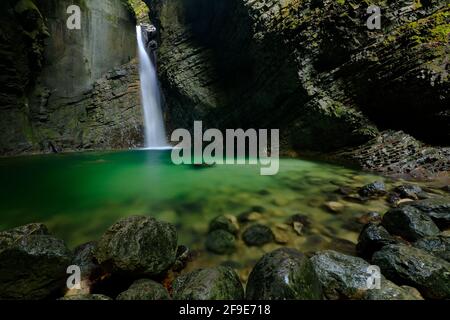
{"x":409,"y":223}
{"x":220,"y":283}
{"x":373,"y":190}
{"x":220,"y":242}
{"x":437,"y":209}
{"x":412,"y":266}
{"x":257,"y":235}
{"x":144,"y":289}
{"x":138,"y":245}
{"x":408,"y":191}
{"x":372,"y":238}
{"x":86,"y":297}
{"x":283,"y":274}
{"x":225,"y":222}
{"x":438,"y":246}
{"x":32,"y":264}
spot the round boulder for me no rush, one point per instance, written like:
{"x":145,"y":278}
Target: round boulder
{"x":138,"y":245}
{"x":283,"y":274}
{"x":220,"y":283}
{"x":257,"y":235}
{"x":144,"y":289}
{"x":220,"y":242}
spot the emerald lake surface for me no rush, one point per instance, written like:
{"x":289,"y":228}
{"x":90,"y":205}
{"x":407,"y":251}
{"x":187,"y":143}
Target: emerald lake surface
{"x":78,"y":196}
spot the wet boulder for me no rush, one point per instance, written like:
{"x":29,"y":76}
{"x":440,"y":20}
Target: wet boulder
{"x":408,"y":191}
{"x":220,"y":242}
{"x":415,"y":267}
{"x":438,"y":209}
{"x":438,"y":246}
{"x":33,"y":264}
{"x":144,"y":289}
{"x":409,"y":223}
{"x":373,"y":190}
{"x":372,"y":238}
{"x":228,"y":223}
{"x":257,"y":235}
{"x":220,"y":283}
{"x":347,"y":277}
{"x":138,"y":245}
{"x":390,"y":291}
{"x":285,"y":274}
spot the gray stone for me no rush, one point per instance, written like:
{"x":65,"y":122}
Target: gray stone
{"x":220,"y":283}
{"x":283,"y":274}
{"x":438,"y":246}
{"x":144,"y":289}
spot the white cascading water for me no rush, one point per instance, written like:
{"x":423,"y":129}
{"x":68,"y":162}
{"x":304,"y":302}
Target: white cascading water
{"x":155,"y":133}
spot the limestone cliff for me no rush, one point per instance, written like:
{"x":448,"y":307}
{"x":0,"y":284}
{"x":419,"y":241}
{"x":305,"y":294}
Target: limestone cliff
{"x":67,"y":89}
{"x":309,"y":67}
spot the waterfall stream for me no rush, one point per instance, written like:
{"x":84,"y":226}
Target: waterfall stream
{"x":155,"y":134}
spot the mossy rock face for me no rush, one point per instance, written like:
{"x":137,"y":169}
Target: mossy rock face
{"x":144,"y":289}
{"x":220,"y":283}
{"x":138,"y":245}
{"x":417,"y":268}
{"x":284,"y":274}
{"x":32,"y":264}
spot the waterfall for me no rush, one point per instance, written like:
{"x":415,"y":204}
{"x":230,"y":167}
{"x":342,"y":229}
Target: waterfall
{"x":155,"y":133}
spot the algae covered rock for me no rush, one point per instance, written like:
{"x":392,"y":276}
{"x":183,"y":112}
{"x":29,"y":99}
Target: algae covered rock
{"x":220,"y":242}
{"x":33,"y":264}
{"x":257,"y":235}
{"x":144,"y":289}
{"x":412,"y":266}
{"x":138,"y":245}
{"x":283,"y":274}
{"x":219,"y":283}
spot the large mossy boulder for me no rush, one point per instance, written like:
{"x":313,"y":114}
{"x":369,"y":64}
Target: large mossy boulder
{"x":33,"y":264}
{"x":283,"y":274}
{"x":347,"y":277}
{"x":220,"y":283}
{"x":409,"y":223}
{"x":415,"y":267}
{"x":138,"y":245}
{"x":372,"y":238}
{"x":438,"y":246}
{"x":144,"y":289}
{"x":438,"y":209}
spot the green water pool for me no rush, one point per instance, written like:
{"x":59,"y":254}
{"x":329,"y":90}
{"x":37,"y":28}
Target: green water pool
{"x":78,"y":196}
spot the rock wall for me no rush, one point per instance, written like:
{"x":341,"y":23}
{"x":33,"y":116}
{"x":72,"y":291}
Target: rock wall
{"x":73,"y":89}
{"x":311,"y":68}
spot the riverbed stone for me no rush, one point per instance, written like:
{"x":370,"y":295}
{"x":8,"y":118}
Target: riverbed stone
{"x":257,"y":235}
{"x":409,"y":223}
{"x":91,"y":271}
{"x":390,"y":291}
{"x":220,"y":242}
{"x":138,"y":245}
{"x":437,"y":209}
{"x":227,"y":222}
{"x":219,"y":283}
{"x":408,"y":191}
{"x":438,"y":246}
{"x":32,"y":266}
{"x":372,"y":238}
{"x":285,"y":274}
{"x":144,"y":289}
{"x":415,"y":267}
{"x":373,"y":190}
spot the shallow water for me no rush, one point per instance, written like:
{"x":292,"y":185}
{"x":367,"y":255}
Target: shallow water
{"x":79,"y":196}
